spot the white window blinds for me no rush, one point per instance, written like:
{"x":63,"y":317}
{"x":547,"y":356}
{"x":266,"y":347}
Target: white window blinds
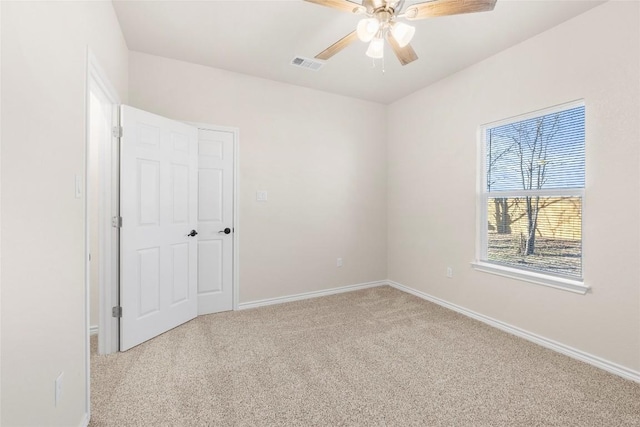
{"x":533,"y":186}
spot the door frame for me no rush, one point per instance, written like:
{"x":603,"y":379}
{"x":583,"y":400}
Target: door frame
{"x":236,"y":217}
{"x":96,"y":79}
{"x":108,"y":339}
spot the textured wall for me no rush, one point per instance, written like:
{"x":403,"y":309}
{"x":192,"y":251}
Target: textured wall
{"x":433,"y":169}
{"x":44,"y":47}
{"x":321,"y":157}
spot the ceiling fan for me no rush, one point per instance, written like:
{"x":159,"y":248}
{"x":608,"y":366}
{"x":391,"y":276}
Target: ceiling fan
{"x":382,"y":22}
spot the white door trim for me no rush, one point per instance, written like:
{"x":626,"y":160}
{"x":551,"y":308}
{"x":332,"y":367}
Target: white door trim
{"x":96,"y":77}
{"x":107,"y":325}
{"x":236,"y":216}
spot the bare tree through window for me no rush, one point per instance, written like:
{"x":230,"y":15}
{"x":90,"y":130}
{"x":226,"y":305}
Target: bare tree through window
{"x":527,"y":161}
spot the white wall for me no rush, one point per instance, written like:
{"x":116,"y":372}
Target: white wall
{"x":432,"y":181}
{"x":321,"y":157}
{"x":43,"y":145}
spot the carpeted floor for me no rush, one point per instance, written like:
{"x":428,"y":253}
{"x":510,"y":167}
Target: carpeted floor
{"x":378,"y":357}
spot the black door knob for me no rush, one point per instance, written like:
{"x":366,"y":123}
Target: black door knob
{"x":225,"y":231}
{"x":192,"y":233}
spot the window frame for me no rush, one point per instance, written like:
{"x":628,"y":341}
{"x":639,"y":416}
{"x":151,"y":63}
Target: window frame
{"x":576,"y":285}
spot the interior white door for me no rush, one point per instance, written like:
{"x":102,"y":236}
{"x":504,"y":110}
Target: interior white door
{"x":158,"y":196}
{"x":215,"y":221}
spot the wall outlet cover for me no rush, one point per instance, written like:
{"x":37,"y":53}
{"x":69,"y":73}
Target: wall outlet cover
{"x":261,"y":196}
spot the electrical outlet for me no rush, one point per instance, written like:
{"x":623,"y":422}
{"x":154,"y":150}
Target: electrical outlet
{"x":449,"y":272}
{"x":261,"y":196}
{"x":58,"y":389}
{"x":339,"y":262}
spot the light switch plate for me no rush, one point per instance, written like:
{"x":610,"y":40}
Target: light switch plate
{"x":261,"y":196}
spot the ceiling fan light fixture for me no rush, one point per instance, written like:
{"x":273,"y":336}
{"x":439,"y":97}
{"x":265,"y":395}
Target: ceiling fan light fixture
{"x":376,"y":48}
{"x":380,"y":23}
{"x":403,"y":33}
{"x":367,"y":29}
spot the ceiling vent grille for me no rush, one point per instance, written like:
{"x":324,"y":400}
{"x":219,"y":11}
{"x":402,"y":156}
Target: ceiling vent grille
{"x":309,"y":64}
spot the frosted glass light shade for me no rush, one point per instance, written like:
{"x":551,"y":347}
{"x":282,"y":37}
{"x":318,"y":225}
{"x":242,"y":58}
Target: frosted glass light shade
{"x":367,"y":29}
{"x":403,"y":33}
{"x":376,"y":48}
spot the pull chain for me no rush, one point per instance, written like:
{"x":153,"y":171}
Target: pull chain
{"x":373,"y":64}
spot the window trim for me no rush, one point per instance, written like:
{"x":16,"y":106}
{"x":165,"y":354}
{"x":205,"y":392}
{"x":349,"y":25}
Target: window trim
{"x":576,"y":286}
{"x":540,"y":278}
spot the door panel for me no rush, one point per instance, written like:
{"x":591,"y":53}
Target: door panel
{"x":180,"y":276}
{"x":149,"y":281}
{"x":159,"y":186}
{"x":180,"y":193}
{"x":148,"y":178}
{"x":210,"y":269}
{"x":210,"y":189}
{"x":215,"y":213}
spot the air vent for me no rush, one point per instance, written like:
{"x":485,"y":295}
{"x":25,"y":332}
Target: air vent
{"x":309,"y":64}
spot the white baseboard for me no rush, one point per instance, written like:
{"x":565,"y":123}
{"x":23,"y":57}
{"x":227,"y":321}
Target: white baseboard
{"x":307,"y":295}
{"x":93,"y":330}
{"x":596,"y":361}
{"x":85,"y":421}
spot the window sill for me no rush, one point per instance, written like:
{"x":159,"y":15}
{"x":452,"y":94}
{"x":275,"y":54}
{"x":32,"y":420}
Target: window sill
{"x":575,"y":286}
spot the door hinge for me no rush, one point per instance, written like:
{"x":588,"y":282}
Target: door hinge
{"x":116,"y":311}
{"x":116,"y":222}
{"x":117,"y":131}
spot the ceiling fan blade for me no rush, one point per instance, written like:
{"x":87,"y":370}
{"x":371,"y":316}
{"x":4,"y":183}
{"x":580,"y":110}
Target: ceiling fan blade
{"x":447,"y":7}
{"x":343,"y":5}
{"x":338,"y":46}
{"x":398,"y":5}
{"x":405,"y":54}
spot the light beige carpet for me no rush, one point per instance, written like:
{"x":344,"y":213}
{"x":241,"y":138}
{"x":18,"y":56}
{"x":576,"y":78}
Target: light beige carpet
{"x":378,"y":357}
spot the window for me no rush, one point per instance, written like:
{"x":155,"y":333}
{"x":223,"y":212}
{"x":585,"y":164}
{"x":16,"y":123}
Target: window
{"x":532,"y":178}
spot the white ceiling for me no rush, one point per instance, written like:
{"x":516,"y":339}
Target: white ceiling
{"x":261,"y":37}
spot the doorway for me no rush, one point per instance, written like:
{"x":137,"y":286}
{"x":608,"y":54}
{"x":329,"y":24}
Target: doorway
{"x":216,"y":212}
{"x":102,"y":204}
{"x":177,"y":223}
